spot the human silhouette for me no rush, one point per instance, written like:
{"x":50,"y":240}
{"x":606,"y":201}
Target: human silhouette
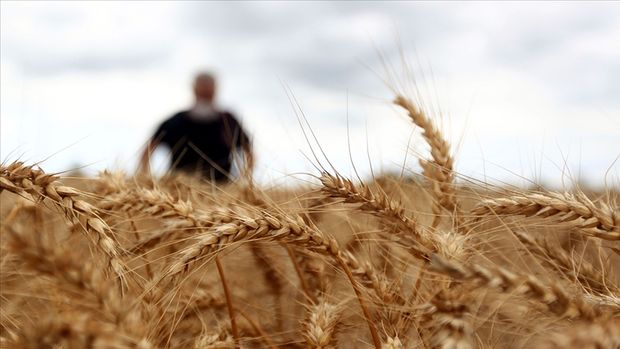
{"x":203,"y":139}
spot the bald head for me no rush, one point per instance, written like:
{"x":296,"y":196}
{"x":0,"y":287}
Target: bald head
{"x":204,"y":87}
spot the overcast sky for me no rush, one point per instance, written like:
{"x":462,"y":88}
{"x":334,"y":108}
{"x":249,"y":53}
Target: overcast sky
{"x":521,"y":89}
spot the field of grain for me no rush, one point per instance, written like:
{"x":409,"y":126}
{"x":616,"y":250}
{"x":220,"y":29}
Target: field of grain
{"x":427,"y":262}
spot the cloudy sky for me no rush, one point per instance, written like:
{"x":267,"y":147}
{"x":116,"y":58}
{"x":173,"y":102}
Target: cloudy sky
{"x":524,"y":91}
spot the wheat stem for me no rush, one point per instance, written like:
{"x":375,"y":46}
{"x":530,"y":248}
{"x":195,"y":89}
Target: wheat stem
{"x":229,"y":303}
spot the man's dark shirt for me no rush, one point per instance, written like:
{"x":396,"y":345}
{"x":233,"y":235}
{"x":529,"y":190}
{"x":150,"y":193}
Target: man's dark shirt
{"x":203,"y":146}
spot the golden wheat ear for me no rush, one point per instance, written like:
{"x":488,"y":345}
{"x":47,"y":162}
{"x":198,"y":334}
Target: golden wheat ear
{"x":378,"y":204}
{"x":601,"y":221}
{"x":451,"y":321}
{"x":19,"y":179}
{"x":322,"y":324}
{"x":439,"y":171}
{"x":552,"y":295}
{"x":556,"y":258}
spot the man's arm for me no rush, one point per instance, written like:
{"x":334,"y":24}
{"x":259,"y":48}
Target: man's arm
{"x":161,"y":136}
{"x":240,"y":140}
{"x":249,"y":158}
{"x":144,"y":167}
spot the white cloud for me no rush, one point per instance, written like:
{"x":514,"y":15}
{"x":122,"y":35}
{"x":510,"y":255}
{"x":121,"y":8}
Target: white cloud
{"x":63,"y":37}
{"x":519,"y":78}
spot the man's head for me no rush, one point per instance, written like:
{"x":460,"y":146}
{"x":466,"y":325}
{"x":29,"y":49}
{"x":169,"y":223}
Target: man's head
{"x":204,"y":87}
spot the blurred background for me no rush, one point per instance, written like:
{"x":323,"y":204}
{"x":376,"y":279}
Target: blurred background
{"x":524,"y":91}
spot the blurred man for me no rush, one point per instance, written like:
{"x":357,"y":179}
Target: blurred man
{"x":203,"y":139}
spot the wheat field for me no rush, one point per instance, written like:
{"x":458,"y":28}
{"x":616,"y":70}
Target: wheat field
{"x":121,"y":261}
